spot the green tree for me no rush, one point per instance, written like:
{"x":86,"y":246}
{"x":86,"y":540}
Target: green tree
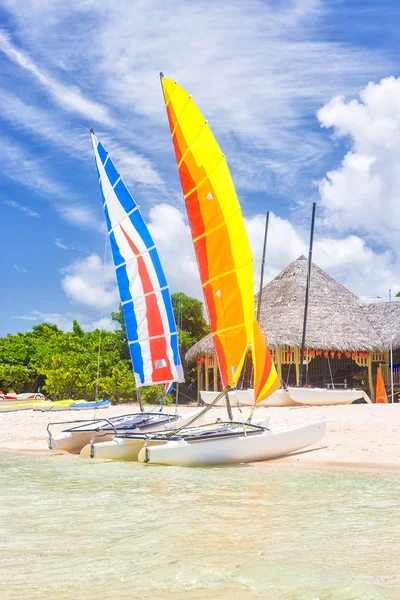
{"x":192,"y":326}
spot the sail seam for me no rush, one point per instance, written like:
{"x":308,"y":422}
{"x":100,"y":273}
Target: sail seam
{"x":126,"y":216}
{"x":188,"y":149}
{"x":180,"y":115}
{"x":225,"y":222}
{"x":231,"y":328}
{"x":153,"y":337}
{"x":128,"y":262}
{"x":196,"y":187}
{"x":227,"y":273}
{"x":112,"y":188}
{"x":161,"y":289}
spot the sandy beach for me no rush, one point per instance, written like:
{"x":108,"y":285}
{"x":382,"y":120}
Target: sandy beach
{"x":361,"y":435}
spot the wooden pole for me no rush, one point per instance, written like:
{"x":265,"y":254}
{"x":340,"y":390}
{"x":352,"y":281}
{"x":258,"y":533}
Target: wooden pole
{"x":215,"y":368}
{"x":303,"y":339}
{"x":370,"y":380}
{"x":391,"y":345}
{"x":207,"y":374}
{"x":297,"y":364}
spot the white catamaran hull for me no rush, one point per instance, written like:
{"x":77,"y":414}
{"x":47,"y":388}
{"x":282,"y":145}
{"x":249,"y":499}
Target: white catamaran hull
{"x":239,"y":449}
{"x":246,"y":398}
{"x":325,"y":397}
{"x":78,"y":442}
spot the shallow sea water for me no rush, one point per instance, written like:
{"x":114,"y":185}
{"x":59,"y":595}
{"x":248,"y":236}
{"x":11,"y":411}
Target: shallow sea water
{"x":73,"y":529}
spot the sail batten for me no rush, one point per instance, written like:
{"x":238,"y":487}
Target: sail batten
{"x":144,"y":292}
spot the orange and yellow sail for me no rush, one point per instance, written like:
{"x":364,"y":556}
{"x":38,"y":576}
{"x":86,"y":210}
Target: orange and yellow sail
{"x":219,"y":234}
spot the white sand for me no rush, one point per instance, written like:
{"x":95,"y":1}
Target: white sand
{"x":359,"y":435}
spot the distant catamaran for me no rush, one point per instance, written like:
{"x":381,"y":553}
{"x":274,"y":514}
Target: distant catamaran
{"x":147,"y":308}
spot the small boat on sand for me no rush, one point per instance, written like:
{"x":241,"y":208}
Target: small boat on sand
{"x":326,"y":397}
{"x":280,"y":397}
{"x":103,"y":430}
{"x":58,"y":405}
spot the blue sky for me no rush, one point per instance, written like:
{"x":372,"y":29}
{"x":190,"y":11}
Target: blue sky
{"x":303,"y":97}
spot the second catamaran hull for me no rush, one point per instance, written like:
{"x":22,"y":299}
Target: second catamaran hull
{"x":107,"y":446}
{"x":324,"y":397}
{"x":246,"y":398}
{"x":239,"y":449}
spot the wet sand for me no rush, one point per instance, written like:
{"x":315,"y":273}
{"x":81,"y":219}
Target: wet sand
{"x":358,"y":436}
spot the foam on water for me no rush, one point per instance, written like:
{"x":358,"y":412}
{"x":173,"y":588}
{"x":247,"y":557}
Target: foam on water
{"x":73,"y":529}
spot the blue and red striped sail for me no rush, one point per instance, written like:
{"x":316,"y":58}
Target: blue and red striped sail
{"x":144,"y":292}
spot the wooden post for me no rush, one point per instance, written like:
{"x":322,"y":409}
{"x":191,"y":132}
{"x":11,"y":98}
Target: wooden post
{"x":278,"y":360}
{"x":215,"y":374}
{"x":198,"y":383}
{"x":297,"y":364}
{"x":207,"y":373}
{"x":370,"y":380}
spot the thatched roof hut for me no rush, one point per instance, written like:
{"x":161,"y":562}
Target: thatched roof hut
{"x":337,"y":320}
{"x":379,"y":316}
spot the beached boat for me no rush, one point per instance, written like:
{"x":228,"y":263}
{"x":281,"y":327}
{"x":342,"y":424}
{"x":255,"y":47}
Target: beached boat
{"x":58,"y":405}
{"x":15,"y":406}
{"x":226,"y":270}
{"x":246,"y":398}
{"x":103,"y":430}
{"x":147,"y":308}
{"x":326,"y":397}
{"x":232,"y":443}
{"x":31,"y":396}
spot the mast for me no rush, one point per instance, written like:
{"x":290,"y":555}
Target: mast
{"x":303,"y":339}
{"x":262,"y":266}
{"x":139,"y":397}
{"x":391,"y":346}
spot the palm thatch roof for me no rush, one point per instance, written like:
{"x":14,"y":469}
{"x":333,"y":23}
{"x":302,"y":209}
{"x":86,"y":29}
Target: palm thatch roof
{"x":385,"y":316}
{"x":337,"y":319}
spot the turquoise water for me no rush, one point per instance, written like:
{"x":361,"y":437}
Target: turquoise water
{"x":74,"y":529}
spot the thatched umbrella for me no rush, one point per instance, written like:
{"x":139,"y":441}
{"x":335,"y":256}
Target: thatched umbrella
{"x":336,"y":318}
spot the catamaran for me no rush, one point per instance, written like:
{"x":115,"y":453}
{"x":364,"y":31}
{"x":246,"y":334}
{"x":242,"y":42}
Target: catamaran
{"x":147,"y":309}
{"x":225,"y":263}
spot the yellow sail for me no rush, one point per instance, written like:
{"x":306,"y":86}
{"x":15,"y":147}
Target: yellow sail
{"x":219,"y":234}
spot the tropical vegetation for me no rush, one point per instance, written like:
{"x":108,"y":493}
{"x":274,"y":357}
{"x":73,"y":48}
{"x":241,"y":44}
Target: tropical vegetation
{"x":68,"y":364}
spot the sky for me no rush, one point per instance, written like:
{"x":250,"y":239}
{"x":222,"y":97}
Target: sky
{"x":303,"y":97}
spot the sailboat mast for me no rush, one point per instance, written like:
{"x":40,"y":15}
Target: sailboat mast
{"x":391,"y":345}
{"x":139,"y":397}
{"x":262,"y":266}
{"x":303,"y":339}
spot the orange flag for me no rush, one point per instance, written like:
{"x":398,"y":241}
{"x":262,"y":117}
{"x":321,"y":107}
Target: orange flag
{"x":381,"y":397}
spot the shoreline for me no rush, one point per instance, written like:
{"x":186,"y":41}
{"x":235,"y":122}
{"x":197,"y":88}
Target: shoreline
{"x":361,"y":436}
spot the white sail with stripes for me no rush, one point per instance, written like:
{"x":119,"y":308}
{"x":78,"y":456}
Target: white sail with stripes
{"x":144,"y":292}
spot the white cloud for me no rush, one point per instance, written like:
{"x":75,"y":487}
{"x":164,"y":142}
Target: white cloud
{"x":69,"y":97}
{"x":363,"y":194}
{"x":20,"y":269}
{"x":59,"y":244}
{"x":268,"y":102}
{"x":25,"y":318}
{"x":86,"y":281}
{"x":21,"y":207}
{"x":172,"y":236}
